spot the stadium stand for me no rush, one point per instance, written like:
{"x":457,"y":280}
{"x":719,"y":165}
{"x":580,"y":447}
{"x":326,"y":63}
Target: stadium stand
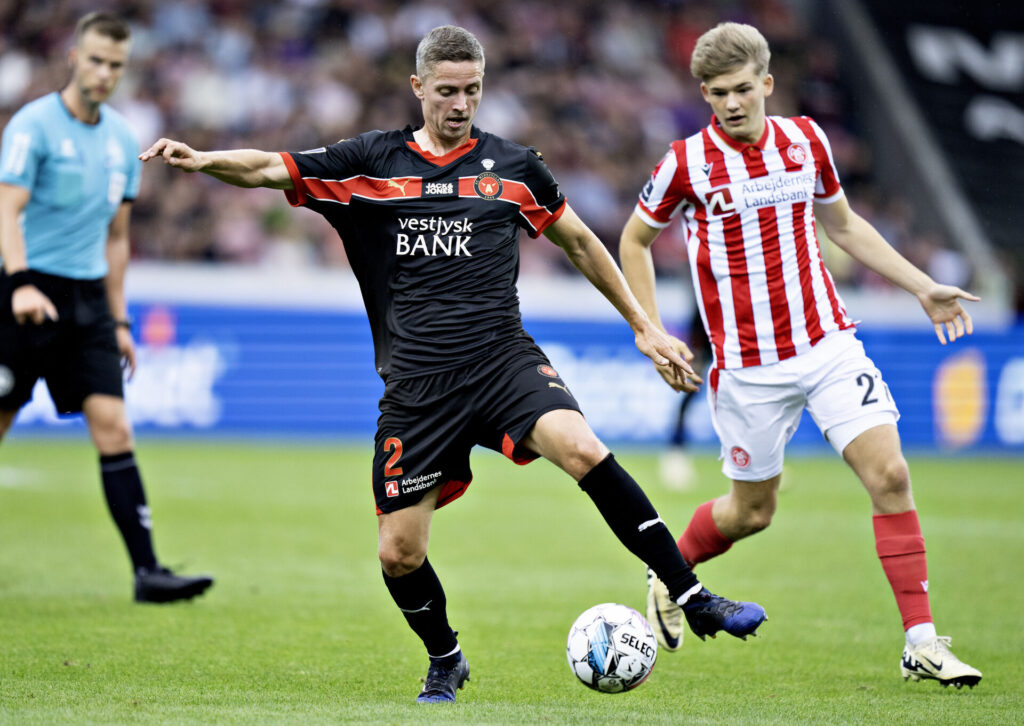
{"x":600,"y":88}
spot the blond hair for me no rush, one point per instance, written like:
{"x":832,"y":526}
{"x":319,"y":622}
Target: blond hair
{"x":727,"y":47}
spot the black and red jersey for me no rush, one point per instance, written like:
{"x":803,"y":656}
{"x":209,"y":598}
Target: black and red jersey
{"x":433,"y":241}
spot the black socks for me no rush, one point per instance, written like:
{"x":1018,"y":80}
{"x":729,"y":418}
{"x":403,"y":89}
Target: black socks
{"x":126,"y":500}
{"x":420,"y":597}
{"x":636,"y":523}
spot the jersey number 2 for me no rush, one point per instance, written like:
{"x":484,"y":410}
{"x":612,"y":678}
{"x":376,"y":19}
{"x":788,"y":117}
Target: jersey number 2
{"x":865,"y":379}
{"x":395,"y":447}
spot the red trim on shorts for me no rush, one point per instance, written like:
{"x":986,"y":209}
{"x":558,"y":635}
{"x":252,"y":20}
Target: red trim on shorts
{"x":451,"y":491}
{"x":508,"y":448}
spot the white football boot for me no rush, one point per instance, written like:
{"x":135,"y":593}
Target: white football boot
{"x":664,"y":615}
{"x":933,"y":659}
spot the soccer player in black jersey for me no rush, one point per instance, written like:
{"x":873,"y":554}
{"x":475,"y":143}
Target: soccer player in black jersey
{"x":430,"y":219}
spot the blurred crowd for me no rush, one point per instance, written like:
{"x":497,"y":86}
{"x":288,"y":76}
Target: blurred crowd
{"x":601,"y":88}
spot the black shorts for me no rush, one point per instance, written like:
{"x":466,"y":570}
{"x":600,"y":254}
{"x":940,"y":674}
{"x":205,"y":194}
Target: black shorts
{"x":76,"y":354}
{"x":428,"y":424}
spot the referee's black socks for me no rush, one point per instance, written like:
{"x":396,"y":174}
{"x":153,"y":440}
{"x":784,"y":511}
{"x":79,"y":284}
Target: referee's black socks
{"x":636,"y":523}
{"x":126,"y":500}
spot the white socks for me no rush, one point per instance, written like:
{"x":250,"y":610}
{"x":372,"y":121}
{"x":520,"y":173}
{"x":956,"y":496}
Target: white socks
{"x":917,"y":634}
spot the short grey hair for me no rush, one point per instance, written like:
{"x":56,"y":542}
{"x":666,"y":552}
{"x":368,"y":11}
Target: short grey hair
{"x":447,"y":43}
{"x":727,"y":47}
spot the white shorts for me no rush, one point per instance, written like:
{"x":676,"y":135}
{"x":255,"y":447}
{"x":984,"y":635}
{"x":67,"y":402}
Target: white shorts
{"x":756,"y":410}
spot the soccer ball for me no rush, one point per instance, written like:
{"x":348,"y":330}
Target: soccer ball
{"x":611,"y":648}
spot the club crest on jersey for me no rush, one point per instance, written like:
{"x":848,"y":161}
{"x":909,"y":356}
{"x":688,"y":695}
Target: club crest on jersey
{"x":796,"y":153}
{"x":546,"y":370}
{"x":739,"y":457}
{"x":487,"y":185}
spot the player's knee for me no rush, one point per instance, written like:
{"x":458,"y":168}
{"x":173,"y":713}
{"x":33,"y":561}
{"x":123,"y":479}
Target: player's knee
{"x":400,"y":558}
{"x":892,"y":478}
{"x":113,"y":436}
{"x":756,"y":518}
{"x":580,"y":455}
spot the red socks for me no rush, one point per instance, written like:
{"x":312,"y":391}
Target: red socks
{"x":701,"y":541}
{"x":901,"y":549}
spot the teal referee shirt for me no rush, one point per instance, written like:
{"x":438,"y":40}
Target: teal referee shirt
{"x":78,"y":174}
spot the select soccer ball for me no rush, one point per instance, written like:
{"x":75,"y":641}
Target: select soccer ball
{"x":611,"y":648}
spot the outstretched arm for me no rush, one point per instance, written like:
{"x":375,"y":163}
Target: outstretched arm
{"x":241,"y":167}
{"x":638,"y":269}
{"x":590,"y":257}
{"x":860,"y":240}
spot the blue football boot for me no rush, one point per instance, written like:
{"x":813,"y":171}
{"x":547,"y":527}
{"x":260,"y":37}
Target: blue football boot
{"x":444,"y":677}
{"x":707,"y":613}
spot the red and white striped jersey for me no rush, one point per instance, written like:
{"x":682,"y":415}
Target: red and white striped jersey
{"x":748,"y":221}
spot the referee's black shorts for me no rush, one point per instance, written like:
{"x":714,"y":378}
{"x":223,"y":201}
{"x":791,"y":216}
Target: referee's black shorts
{"x":76,"y":355}
{"x":428,"y":424}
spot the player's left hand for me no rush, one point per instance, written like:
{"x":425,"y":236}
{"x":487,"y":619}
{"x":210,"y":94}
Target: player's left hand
{"x":126,"y":347}
{"x":942,"y":303}
{"x":174,"y":153}
{"x":671,"y":357}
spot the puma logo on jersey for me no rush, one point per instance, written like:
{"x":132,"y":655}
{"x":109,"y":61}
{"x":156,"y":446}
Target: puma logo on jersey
{"x":552,"y":384}
{"x":399,"y":186}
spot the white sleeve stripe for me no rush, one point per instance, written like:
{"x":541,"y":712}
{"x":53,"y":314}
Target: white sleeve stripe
{"x":648,"y":219}
{"x":830,"y":199}
{"x":18,"y":154}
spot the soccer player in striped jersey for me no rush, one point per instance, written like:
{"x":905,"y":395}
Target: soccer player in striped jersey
{"x":748,"y":189}
{"x":430,"y":218}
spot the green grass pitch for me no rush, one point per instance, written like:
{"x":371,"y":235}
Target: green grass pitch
{"x":300,"y":629}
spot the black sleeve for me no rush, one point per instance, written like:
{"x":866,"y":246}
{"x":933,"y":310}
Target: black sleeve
{"x":541,"y":183}
{"x":544,"y":203}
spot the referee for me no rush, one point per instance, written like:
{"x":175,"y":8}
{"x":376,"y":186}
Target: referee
{"x":68,"y":175}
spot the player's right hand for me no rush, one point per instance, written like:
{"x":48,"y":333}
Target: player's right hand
{"x":679,"y":380}
{"x":29,"y":305}
{"x":174,"y":153}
